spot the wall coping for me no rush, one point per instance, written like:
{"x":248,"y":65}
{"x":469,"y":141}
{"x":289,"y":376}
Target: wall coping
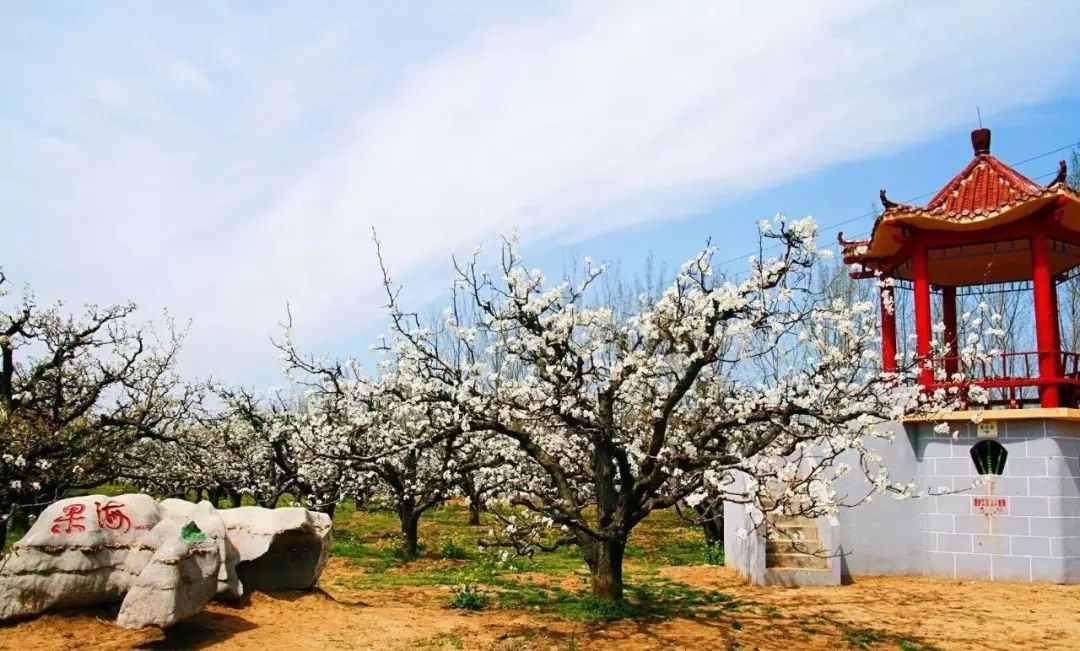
{"x":1057,"y":413}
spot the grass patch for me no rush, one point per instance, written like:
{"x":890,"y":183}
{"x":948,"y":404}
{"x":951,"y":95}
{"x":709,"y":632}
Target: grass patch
{"x":714,"y":553}
{"x":862,"y":637}
{"x":468,"y":596}
{"x":369,"y":540}
{"x":442,"y":641}
{"x":452,"y":550}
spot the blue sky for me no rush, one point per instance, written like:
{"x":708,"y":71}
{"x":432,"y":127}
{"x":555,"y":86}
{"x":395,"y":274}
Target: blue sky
{"x":222,"y":159}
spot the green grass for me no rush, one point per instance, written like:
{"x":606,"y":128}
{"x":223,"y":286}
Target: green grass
{"x":469,"y":597}
{"x":863,"y":637}
{"x":442,"y":641}
{"x":453,"y":551}
{"x":555,"y":584}
{"x":369,"y":540}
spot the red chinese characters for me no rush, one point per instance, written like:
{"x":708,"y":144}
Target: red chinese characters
{"x":73,"y":515}
{"x":110,"y":515}
{"x":990,"y":505}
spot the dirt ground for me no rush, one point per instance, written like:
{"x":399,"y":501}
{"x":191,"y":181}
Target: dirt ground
{"x":934,"y":613}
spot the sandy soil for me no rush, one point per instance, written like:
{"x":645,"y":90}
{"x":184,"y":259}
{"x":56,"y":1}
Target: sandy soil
{"x":946,"y":614}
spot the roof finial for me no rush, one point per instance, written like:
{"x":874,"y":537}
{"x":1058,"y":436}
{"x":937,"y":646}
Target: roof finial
{"x":886,"y":202}
{"x":980,"y":141}
{"x":978,"y":114}
{"x":1062,"y":174}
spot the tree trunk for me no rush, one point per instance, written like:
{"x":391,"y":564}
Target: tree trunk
{"x":409,"y":524}
{"x":3,"y":534}
{"x":468,"y":486}
{"x":214,"y":495}
{"x":18,"y":522}
{"x":235,"y":499}
{"x":605,"y":563}
{"x":605,"y":557}
{"x":328,"y":509}
{"x":714,"y":532}
{"x":712,"y":522}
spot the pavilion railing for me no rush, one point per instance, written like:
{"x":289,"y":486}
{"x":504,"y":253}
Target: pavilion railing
{"x":1012,"y":379}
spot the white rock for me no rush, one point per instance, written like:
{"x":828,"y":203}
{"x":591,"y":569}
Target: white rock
{"x":91,"y":550}
{"x":209,"y":520}
{"x":170,"y":507}
{"x":279,"y":549}
{"x":180,"y":579}
{"x":81,"y":551}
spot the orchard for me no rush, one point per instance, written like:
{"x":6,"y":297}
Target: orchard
{"x":535,"y":447}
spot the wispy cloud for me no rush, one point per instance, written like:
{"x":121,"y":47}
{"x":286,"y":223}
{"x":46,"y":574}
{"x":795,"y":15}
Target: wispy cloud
{"x":223,"y":164}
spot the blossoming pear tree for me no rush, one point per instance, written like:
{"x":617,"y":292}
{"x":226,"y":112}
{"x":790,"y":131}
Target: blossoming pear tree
{"x":406,"y":446}
{"x":75,"y":393}
{"x":262,"y":446}
{"x":768,"y":380}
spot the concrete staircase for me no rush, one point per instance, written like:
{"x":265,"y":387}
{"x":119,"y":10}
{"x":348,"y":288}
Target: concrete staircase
{"x":797,"y":545}
{"x":797,"y":554}
{"x":804,"y":552}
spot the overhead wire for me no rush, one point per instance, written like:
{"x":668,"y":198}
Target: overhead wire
{"x":833,"y":227}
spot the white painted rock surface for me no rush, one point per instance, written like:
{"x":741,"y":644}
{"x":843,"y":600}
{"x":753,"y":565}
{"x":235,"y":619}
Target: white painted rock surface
{"x":92,"y":550}
{"x":178,"y":581}
{"x":210,"y":522}
{"x":81,"y":551}
{"x":279,"y":549}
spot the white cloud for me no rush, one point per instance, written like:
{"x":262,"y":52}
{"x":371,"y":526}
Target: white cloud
{"x":224,"y":171}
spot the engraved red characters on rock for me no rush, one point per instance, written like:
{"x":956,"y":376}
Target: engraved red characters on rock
{"x":110,"y":515}
{"x":73,"y":515}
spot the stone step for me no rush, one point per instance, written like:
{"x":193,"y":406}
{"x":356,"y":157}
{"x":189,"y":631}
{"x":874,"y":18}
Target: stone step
{"x":785,"y":546}
{"x":793,"y":520}
{"x":799,"y":577}
{"x":796,"y":561}
{"x":806,"y":531}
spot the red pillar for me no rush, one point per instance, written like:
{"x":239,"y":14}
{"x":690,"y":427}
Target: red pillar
{"x":1057,"y":323}
{"x":1045,"y":319}
{"x":948,"y":315}
{"x":888,"y":329}
{"x":920,"y":268}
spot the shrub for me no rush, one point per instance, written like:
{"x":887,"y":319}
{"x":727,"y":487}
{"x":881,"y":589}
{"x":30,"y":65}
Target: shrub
{"x":468,"y":596}
{"x":714,"y":553}
{"x":591,"y":608}
{"x":452,"y":550}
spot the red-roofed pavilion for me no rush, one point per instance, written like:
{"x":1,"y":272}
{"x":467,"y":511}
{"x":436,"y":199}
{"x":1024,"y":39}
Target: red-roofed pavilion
{"x":989,"y":225}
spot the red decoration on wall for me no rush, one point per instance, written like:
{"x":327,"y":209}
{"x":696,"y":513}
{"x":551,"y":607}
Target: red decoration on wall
{"x":990,"y":505}
{"x":73,"y":514}
{"x":110,"y":515}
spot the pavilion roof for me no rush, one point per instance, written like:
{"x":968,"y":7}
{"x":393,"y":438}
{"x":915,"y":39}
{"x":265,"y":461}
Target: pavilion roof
{"x":986,"y":193}
{"x":983,"y":186}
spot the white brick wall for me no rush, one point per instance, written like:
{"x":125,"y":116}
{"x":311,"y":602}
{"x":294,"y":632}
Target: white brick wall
{"x":1037,"y":537}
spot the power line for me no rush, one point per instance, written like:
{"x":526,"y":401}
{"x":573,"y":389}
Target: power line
{"x":832,"y":227}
